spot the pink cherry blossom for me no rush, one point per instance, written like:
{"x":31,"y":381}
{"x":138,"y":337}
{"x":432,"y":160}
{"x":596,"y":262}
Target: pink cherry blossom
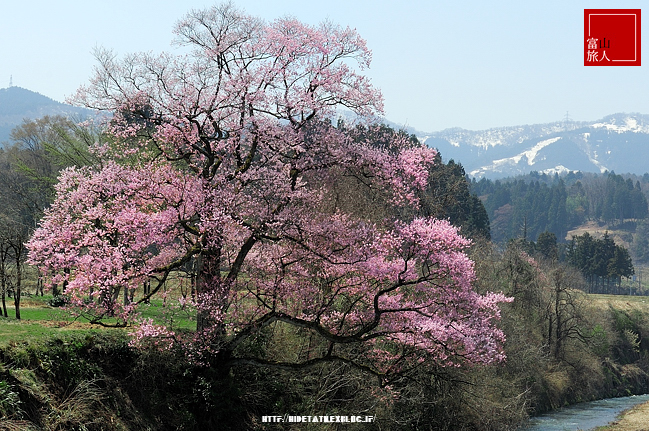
{"x":220,"y":165}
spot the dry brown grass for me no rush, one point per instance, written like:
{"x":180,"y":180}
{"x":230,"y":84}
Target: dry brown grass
{"x":597,"y":230}
{"x":634,"y":419}
{"x":592,"y":227}
{"x":620,"y":302}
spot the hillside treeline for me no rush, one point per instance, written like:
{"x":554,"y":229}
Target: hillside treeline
{"x":526,"y":206}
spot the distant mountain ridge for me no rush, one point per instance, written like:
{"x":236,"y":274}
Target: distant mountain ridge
{"x":618,"y":142}
{"x":17,"y":104}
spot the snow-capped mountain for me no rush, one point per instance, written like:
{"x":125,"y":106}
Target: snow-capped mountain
{"x":618,"y":142}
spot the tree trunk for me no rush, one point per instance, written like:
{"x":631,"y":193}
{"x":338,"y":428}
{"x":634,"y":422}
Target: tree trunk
{"x":208,"y":283}
{"x":146,"y":288}
{"x":559,"y":336}
{"x":115,"y":296}
{"x":4,"y":294}
{"x":17,"y":293}
{"x":550,"y":330}
{"x":3,"y":280}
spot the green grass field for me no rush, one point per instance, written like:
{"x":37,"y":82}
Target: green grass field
{"x":40,"y":320}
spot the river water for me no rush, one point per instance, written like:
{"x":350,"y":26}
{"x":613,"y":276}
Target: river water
{"x":584,"y":416}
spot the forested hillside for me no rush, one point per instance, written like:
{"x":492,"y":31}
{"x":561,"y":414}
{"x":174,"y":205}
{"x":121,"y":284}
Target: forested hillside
{"x":18,"y":104}
{"x":524,"y":207}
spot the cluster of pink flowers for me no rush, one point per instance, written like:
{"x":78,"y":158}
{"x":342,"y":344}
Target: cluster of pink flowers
{"x":149,"y":334}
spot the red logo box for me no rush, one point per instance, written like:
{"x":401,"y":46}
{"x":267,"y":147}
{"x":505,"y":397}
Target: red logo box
{"x":611,"y":37}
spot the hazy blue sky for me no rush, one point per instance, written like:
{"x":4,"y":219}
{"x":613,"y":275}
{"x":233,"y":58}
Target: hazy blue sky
{"x":440,"y":64}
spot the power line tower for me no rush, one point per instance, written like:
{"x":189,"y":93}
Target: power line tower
{"x":567,"y":122}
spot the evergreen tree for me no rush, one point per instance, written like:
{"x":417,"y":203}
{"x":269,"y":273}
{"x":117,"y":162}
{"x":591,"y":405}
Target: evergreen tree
{"x":546,"y":244}
{"x":620,"y":265}
{"x":600,"y":261}
{"x":448,"y":197}
{"x":641,"y":241}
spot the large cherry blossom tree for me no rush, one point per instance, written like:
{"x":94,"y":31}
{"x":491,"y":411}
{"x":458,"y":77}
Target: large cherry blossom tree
{"x":223,"y":160}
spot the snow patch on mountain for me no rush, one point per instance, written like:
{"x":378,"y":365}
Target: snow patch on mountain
{"x":422,"y":139}
{"x":500,"y":165}
{"x":630,"y":125}
{"x":587,"y":148}
{"x":560,"y":169}
{"x":532,"y":153}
